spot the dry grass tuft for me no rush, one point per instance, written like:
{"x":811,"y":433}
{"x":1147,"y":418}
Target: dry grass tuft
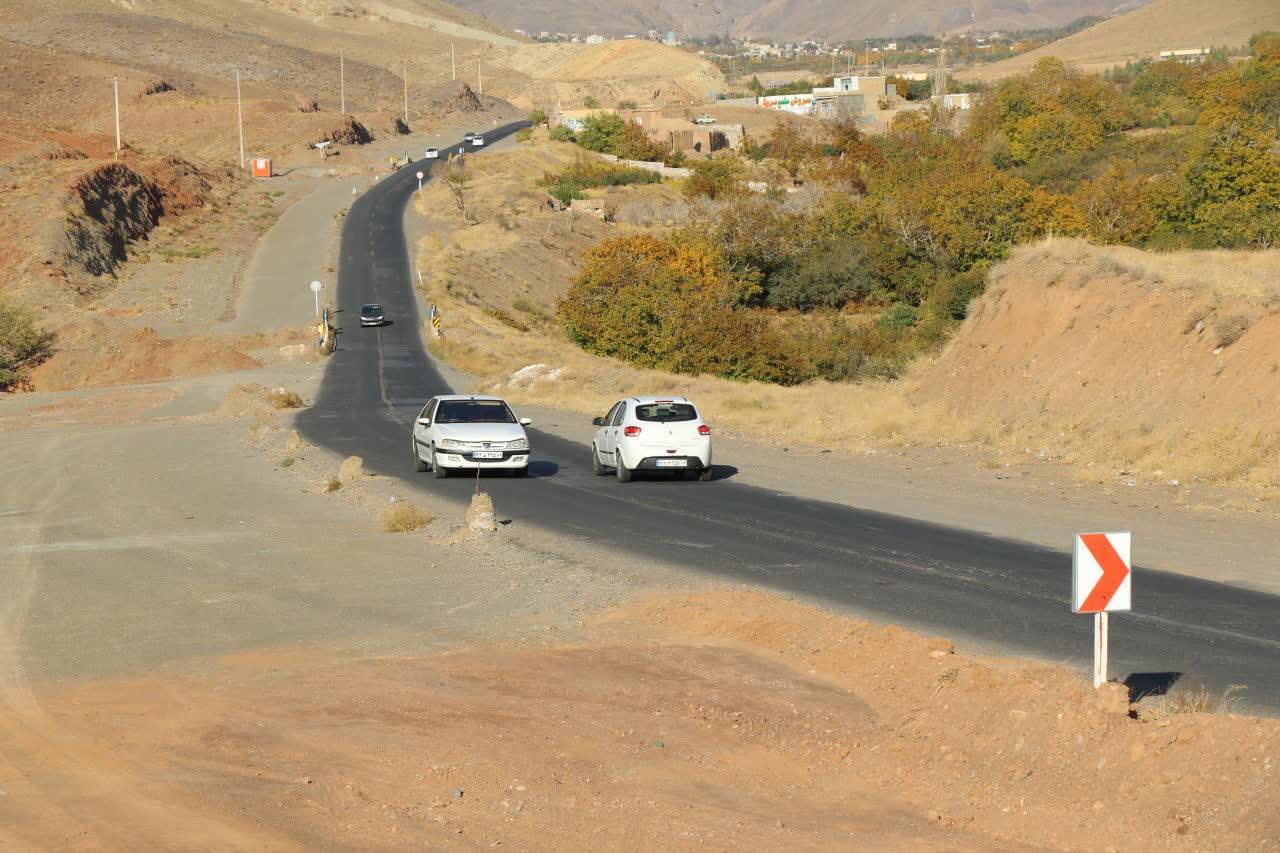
{"x":1231,"y":328}
{"x":281,"y":398}
{"x":403,"y":517}
{"x":332,"y":485}
{"x":1202,"y":701}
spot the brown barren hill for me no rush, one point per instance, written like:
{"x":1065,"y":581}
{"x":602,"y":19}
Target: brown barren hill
{"x":1116,"y":357}
{"x":1163,"y":25}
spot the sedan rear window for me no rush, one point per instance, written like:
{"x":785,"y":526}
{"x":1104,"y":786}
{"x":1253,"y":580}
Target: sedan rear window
{"x":665,"y":413}
{"x":474,"y":412}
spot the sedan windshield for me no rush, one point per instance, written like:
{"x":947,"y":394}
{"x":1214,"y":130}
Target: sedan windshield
{"x":370,"y":310}
{"x":665,"y":413}
{"x":474,"y":412}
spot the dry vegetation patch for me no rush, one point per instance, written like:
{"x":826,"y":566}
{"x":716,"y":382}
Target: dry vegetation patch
{"x":1112,"y":359}
{"x":403,"y":517}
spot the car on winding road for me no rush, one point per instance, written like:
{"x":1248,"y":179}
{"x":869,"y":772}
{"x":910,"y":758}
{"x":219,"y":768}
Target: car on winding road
{"x":652,"y":434}
{"x":456,"y":432}
{"x":433,"y":154}
{"x":372,"y":315}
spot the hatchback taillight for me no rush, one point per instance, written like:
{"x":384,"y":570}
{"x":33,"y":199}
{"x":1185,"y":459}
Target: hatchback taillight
{"x":631,"y":430}
{"x":704,"y":430}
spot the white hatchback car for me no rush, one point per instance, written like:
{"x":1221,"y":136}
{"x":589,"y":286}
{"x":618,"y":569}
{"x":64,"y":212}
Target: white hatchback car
{"x":433,"y":154}
{"x":456,"y":432}
{"x":652,"y":434}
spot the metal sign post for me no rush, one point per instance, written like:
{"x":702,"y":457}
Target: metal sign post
{"x":315,"y":289}
{"x":420,"y":177}
{"x":1101,"y":581}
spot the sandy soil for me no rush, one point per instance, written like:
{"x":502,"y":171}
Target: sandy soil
{"x":1143,"y":33}
{"x":718,"y":721}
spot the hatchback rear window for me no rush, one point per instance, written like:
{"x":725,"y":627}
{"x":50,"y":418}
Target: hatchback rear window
{"x":665,"y":413}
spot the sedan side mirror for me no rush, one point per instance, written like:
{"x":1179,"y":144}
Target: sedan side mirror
{"x":597,"y":421}
{"x":526,"y":421}
{"x":424,"y":421}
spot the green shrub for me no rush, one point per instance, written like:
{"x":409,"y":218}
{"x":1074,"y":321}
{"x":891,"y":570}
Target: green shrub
{"x":600,"y":132}
{"x":524,"y":134}
{"x":715,"y":178}
{"x":824,"y":279}
{"x":537,"y":117}
{"x":565,"y":192}
{"x":674,"y":159}
{"x":23,"y":344}
{"x":560,"y":133}
{"x":899,"y":317}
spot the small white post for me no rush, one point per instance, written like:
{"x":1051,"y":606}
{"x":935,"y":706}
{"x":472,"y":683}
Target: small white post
{"x":342,"y":83}
{"x":240,"y":118}
{"x":117,"y":88}
{"x":1100,"y":649}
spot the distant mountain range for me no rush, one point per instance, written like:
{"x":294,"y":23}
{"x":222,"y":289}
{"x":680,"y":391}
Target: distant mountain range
{"x":788,"y":20}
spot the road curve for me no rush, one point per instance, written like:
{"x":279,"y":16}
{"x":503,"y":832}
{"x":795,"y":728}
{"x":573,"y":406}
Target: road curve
{"x":1004,"y":595}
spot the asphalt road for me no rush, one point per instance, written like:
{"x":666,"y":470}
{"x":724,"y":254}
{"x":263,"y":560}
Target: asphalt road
{"x":996,"y":595}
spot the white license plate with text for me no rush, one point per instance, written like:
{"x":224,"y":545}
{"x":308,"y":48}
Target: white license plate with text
{"x":487,"y":454}
{"x":673,"y":463}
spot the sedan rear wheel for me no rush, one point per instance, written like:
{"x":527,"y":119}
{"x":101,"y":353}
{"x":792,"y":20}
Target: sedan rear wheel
{"x":705,"y":474}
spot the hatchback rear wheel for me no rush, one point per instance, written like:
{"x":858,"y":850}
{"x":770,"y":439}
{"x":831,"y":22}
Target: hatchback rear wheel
{"x":624,"y":473}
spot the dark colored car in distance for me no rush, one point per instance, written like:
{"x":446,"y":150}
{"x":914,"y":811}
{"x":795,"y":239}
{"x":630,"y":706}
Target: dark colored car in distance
{"x":372,"y":315}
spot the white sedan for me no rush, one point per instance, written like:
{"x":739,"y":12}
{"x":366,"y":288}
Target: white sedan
{"x":458,"y":432}
{"x":477,"y":140}
{"x":433,"y":154}
{"x":652,"y":434}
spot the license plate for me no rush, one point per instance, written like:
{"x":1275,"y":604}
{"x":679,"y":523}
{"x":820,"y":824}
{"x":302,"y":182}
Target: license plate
{"x":673,"y":463}
{"x":486,"y":454}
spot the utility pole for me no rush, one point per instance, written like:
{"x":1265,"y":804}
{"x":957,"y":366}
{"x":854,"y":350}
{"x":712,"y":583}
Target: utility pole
{"x":453,"y":63}
{"x":940,"y":76}
{"x":240,"y":118}
{"x":117,"y":88}
{"x":342,"y":82}
{"x":404,"y":72}
{"x":479,"y":78}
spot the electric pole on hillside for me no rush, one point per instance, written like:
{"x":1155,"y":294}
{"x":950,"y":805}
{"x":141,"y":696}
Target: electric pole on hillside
{"x":404,"y":73}
{"x":117,"y":90}
{"x":239,"y":118}
{"x":453,"y":63}
{"x":479,"y":78}
{"x":342,"y":83}
{"x":940,"y":76}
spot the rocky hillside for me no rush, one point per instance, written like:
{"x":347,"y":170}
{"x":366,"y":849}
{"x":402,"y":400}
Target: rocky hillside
{"x":785,"y":19}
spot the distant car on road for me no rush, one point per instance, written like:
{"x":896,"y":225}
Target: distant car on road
{"x":433,"y":154}
{"x":456,"y":432}
{"x":468,"y":136}
{"x":372,"y":315}
{"x":477,"y":140}
{"x":652,"y":434}
{"x":704,"y":119}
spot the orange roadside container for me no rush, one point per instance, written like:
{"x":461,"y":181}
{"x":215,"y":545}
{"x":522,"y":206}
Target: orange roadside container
{"x":261,"y":167}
